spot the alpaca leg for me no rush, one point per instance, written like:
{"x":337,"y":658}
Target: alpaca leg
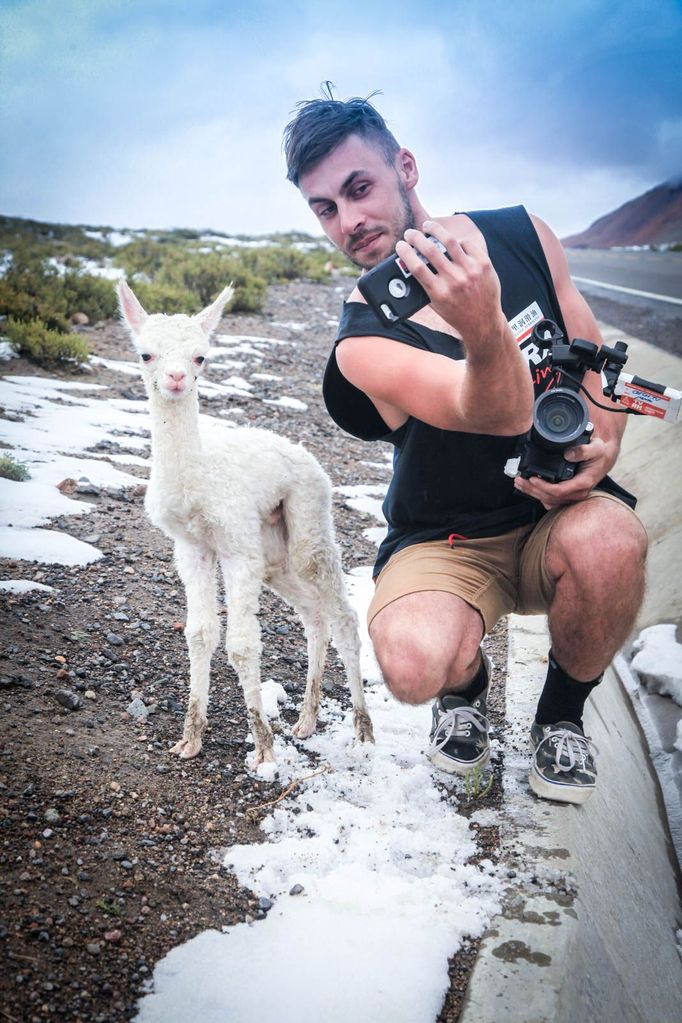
{"x":317,"y":634}
{"x":347,"y":642}
{"x":243,"y":582}
{"x":197,"y":569}
{"x":305,"y":599}
{"x":314,"y":558}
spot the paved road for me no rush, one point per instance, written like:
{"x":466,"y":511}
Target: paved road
{"x":658,"y":273}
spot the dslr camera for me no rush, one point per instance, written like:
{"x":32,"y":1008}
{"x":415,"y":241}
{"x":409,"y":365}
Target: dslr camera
{"x":560,"y":415}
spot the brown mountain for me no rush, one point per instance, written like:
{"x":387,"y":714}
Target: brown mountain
{"x":654,"y":218}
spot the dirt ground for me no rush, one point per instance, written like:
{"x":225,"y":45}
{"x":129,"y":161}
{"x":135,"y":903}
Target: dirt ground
{"x":110,"y":847}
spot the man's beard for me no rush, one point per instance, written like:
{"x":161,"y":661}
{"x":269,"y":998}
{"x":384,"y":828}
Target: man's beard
{"x":403,"y":220}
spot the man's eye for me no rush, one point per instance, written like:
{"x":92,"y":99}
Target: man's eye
{"x":146,"y":357}
{"x":360,"y":191}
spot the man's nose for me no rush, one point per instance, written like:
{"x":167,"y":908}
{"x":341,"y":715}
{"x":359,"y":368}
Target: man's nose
{"x":351,"y":218}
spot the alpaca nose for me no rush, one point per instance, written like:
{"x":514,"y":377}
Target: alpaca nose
{"x":178,"y":375}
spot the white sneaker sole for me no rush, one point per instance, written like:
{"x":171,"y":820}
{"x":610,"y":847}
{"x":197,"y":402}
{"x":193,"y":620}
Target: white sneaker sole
{"x":556,"y":791}
{"x":445,"y":763}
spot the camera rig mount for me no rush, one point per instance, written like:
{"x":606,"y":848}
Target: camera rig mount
{"x":560,"y":414}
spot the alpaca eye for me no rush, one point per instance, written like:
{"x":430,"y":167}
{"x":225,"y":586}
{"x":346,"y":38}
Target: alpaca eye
{"x":146,"y":357}
{"x":200,"y":359}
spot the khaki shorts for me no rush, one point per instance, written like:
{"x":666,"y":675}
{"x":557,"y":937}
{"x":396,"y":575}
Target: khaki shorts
{"x":497,"y":575}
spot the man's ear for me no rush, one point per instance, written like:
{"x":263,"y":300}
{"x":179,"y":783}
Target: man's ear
{"x":406,"y":166}
{"x":132,"y":312}
{"x":209,"y":318}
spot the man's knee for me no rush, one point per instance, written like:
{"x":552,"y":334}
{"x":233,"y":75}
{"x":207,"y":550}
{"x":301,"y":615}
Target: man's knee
{"x":602,"y":541}
{"x":418,"y":662}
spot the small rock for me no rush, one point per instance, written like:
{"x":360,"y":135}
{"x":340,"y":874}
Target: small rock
{"x":90,"y":694}
{"x":52,"y":815}
{"x":86,"y":486}
{"x":298,"y":889}
{"x":265,"y":904}
{"x":67,"y":698}
{"x":93,"y":948}
{"x":67,"y":486}
{"x":138,"y":710}
{"x":113,"y":639}
{"x":80,"y":319}
{"x":113,"y":936}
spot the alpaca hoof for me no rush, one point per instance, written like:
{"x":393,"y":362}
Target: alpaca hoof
{"x":187,"y":748}
{"x":363,"y":726}
{"x":263,"y":756}
{"x":305,"y":726}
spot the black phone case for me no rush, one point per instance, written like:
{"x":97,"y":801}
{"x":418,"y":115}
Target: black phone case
{"x":381,"y":293}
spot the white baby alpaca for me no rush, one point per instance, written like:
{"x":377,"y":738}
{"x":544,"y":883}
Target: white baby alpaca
{"x":253,"y":503}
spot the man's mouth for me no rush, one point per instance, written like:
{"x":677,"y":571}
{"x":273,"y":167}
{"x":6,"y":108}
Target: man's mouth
{"x":366,"y":241}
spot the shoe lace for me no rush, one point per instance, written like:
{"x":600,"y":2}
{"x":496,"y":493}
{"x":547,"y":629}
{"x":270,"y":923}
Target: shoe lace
{"x":457,"y":723}
{"x":571,"y":749}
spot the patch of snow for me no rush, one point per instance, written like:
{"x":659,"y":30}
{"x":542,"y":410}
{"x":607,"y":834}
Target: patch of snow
{"x":386,"y":896}
{"x":34,"y":503}
{"x":48,"y":546}
{"x":23,"y":586}
{"x":285,"y":402}
{"x":107,"y":271}
{"x":6,"y":351}
{"x":658,"y":661}
{"x":360,"y":497}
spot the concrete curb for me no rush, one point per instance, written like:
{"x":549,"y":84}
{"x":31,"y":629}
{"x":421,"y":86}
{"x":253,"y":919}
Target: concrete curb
{"x":588,"y":928}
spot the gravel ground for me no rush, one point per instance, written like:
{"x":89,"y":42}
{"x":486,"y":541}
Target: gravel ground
{"x":110,"y":848}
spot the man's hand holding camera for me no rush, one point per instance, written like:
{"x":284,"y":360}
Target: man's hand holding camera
{"x":594,"y":461}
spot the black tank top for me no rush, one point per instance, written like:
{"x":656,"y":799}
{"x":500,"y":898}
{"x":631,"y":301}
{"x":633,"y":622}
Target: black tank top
{"x":445,"y":481}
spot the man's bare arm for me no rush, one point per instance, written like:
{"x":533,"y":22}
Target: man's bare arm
{"x":488,"y":392}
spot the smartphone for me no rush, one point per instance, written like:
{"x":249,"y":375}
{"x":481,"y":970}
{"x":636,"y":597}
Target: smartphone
{"x":391,"y":289}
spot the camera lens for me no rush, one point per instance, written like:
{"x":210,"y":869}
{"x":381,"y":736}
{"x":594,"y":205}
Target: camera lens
{"x":560,"y":417}
{"x":398,"y":288}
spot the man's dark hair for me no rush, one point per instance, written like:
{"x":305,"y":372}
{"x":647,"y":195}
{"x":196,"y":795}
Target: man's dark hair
{"x":321,"y":124}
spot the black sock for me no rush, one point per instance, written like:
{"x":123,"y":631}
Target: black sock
{"x":563,"y":698}
{"x":473,"y":688}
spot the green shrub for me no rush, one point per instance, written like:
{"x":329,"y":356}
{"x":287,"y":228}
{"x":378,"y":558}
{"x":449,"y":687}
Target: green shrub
{"x":163,"y":297}
{"x":34,"y":340}
{"x":33,"y":292}
{"x":249,"y":293}
{"x":13,"y":470}
{"x":85,"y":293}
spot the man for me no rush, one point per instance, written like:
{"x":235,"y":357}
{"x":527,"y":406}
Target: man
{"x":451,"y":389}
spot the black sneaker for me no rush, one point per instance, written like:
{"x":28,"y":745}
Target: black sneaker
{"x":563,"y":763}
{"x":459,"y":732}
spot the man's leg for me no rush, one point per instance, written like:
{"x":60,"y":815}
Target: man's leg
{"x":427,"y":643}
{"x":428,"y":648}
{"x":431,"y":608}
{"x":594,"y":557}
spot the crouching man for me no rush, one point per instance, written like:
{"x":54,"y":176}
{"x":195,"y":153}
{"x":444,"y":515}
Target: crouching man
{"x":452,"y":388}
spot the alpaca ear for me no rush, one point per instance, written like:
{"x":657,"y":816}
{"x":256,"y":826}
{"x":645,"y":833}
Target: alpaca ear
{"x":209,"y":318}
{"x":131,"y":310}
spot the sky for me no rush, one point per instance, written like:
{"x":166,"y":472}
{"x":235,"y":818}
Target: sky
{"x":155,"y":113}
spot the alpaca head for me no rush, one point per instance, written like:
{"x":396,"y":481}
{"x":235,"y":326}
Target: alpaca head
{"x":172,"y":349}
